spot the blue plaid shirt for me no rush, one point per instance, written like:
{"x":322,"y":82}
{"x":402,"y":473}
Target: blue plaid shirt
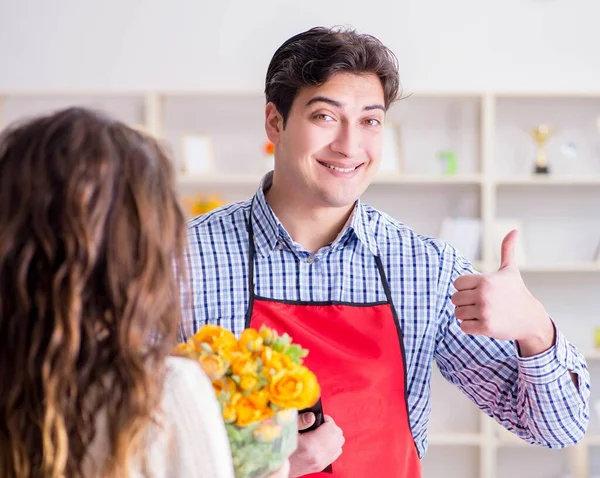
{"x":534,"y":397}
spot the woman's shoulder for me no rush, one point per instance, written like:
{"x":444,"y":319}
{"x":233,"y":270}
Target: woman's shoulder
{"x":181,"y":369}
{"x":194,"y":418}
{"x":186,"y":382}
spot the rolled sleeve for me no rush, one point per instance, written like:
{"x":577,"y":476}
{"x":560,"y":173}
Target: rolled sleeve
{"x":550,"y":365}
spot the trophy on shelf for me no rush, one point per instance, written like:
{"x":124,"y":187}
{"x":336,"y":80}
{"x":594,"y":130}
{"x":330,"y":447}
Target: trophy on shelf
{"x":540,"y":135}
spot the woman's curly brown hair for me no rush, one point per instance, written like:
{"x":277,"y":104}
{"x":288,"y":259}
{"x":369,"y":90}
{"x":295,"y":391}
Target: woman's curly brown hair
{"x":91,"y":239}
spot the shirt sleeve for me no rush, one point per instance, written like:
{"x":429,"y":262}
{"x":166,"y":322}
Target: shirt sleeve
{"x":533,"y":397}
{"x":199,"y":443}
{"x":190,"y":281}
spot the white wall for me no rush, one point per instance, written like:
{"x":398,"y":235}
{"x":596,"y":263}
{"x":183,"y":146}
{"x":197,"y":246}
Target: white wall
{"x":226,"y":44}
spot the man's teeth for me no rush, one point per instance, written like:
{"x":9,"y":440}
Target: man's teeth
{"x":343,"y":170}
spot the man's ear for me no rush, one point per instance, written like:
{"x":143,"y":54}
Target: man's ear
{"x":273,"y":123}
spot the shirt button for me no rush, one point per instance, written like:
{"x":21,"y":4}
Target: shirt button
{"x":280,"y":246}
{"x":310,"y":259}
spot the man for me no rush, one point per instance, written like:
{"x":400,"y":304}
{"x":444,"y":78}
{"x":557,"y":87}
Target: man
{"x":373,"y":301}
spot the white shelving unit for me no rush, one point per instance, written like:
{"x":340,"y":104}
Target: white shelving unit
{"x":560,"y":215}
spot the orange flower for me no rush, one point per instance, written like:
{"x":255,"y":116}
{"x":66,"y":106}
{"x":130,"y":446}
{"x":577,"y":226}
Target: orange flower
{"x":184,"y":350}
{"x":213,"y":202}
{"x":251,"y":341}
{"x":259,"y":399}
{"x":243,"y":365}
{"x":207,"y":334}
{"x":229,"y":414}
{"x":269,"y":147}
{"x":236,"y":398}
{"x":248,"y":382}
{"x":225,"y":345}
{"x":246,"y":412}
{"x":267,"y":413}
{"x":224,"y":385}
{"x":213,"y":366}
{"x":275,"y":361}
{"x":294,"y":388}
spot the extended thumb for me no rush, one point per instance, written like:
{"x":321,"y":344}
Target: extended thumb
{"x":508,"y":255}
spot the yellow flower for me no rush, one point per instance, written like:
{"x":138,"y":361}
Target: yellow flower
{"x":275,"y":361}
{"x":243,"y":365}
{"x":267,"y":413}
{"x":229,"y":414}
{"x":236,"y":397}
{"x":260,"y":399}
{"x":184,"y":350}
{"x":225,"y":344}
{"x":225,"y":385}
{"x":214,"y":334}
{"x":295,"y":388}
{"x":267,"y":334}
{"x":246,"y":412}
{"x":213,"y":366}
{"x":207,"y":334}
{"x":251,"y":340}
{"x":248,"y":382}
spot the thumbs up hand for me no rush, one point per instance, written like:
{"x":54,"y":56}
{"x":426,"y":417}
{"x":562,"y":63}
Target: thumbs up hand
{"x":500,"y":306}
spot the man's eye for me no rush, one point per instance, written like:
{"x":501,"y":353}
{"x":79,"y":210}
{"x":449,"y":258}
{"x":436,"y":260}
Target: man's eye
{"x":372,"y":122}
{"x":323,"y":117}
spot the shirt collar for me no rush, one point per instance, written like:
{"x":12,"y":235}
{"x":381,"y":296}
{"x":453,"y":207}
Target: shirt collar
{"x":268,"y":230}
{"x":359,"y":224}
{"x":265,"y":224}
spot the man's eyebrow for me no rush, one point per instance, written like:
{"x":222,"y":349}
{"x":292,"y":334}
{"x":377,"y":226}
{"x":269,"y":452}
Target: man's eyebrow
{"x":337,"y":104}
{"x":374,"y":107}
{"x":324,"y":99}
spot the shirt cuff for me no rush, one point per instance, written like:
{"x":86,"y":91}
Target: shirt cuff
{"x":549,"y":365}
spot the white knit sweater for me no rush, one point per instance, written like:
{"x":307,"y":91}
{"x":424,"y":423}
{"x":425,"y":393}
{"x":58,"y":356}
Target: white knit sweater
{"x":190,"y":439}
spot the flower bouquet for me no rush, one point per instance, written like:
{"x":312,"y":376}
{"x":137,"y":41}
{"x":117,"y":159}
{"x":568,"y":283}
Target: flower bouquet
{"x":260,"y":383}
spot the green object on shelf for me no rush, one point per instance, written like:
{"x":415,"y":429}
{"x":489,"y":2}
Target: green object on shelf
{"x":450,"y":158}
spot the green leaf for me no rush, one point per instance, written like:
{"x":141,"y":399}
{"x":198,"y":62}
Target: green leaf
{"x":296,"y":353}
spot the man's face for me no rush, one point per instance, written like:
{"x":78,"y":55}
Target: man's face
{"x":330,"y":148}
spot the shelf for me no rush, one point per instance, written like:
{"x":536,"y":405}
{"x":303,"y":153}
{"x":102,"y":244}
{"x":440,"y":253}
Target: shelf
{"x":591,"y":180}
{"x":591,"y":354}
{"x":592,"y":440}
{"x":450,"y":439}
{"x":541,"y":94}
{"x":508,"y":439}
{"x":513,"y":443}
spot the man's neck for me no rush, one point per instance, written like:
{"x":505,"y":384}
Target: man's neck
{"x":311,"y":227}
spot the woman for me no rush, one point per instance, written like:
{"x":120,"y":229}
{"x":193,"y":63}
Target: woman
{"x":89,"y":307}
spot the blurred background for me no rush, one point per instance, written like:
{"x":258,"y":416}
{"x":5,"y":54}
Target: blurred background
{"x":500,"y":129}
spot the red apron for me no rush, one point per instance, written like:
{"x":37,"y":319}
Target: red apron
{"x":357,"y":353}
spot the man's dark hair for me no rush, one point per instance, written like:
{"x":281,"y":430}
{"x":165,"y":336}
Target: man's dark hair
{"x":314,"y":56}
